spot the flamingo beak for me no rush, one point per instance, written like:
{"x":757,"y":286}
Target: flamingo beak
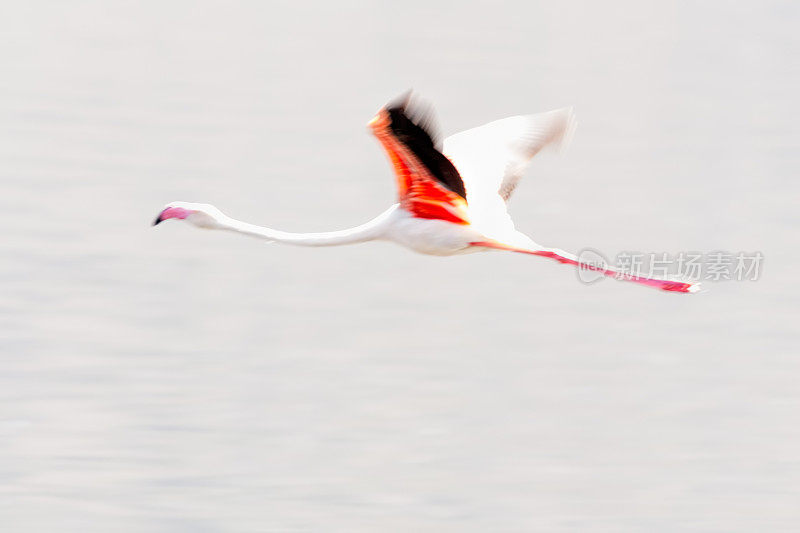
{"x":171,"y":212}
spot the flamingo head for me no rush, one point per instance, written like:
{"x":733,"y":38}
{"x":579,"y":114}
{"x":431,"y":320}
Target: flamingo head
{"x":201,"y":215}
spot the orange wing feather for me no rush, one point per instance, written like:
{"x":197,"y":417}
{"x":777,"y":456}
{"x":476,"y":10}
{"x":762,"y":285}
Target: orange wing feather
{"x":419,"y":192}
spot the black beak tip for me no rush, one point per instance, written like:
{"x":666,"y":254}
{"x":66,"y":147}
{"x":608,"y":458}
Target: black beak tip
{"x":157,"y":221}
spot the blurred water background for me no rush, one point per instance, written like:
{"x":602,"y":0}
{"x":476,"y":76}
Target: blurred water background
{"x":170,"y":379}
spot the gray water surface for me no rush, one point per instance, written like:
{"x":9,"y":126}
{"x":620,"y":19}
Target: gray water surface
{"x":168,"y":379}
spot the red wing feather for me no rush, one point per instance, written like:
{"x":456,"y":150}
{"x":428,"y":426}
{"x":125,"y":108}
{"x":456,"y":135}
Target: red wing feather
{"x":420,"y":193}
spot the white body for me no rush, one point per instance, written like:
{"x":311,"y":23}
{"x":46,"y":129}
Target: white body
{"x":428,"y":236}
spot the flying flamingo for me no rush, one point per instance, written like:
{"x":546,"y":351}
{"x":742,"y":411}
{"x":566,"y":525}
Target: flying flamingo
{"x":452,"y":195}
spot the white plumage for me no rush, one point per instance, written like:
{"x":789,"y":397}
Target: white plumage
{"x":493,"y":158}
{"x":433,"y":217}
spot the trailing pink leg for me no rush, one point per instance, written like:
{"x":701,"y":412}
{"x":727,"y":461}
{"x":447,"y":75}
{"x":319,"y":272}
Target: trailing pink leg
{"x":561,"y":257}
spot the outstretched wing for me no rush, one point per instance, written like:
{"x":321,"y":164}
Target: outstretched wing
{"x":428,"y":184}
{"x":492,"y":158}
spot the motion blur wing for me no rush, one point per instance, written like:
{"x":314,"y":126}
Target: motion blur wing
{"x":428,"y":184}
{"x":492,"y":158}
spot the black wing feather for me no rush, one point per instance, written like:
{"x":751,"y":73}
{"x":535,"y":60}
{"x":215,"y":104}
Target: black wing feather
{"x":414,"y":125}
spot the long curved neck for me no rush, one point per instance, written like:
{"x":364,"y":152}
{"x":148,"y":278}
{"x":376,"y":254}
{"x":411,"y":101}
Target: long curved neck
{"x":374,"y":229}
